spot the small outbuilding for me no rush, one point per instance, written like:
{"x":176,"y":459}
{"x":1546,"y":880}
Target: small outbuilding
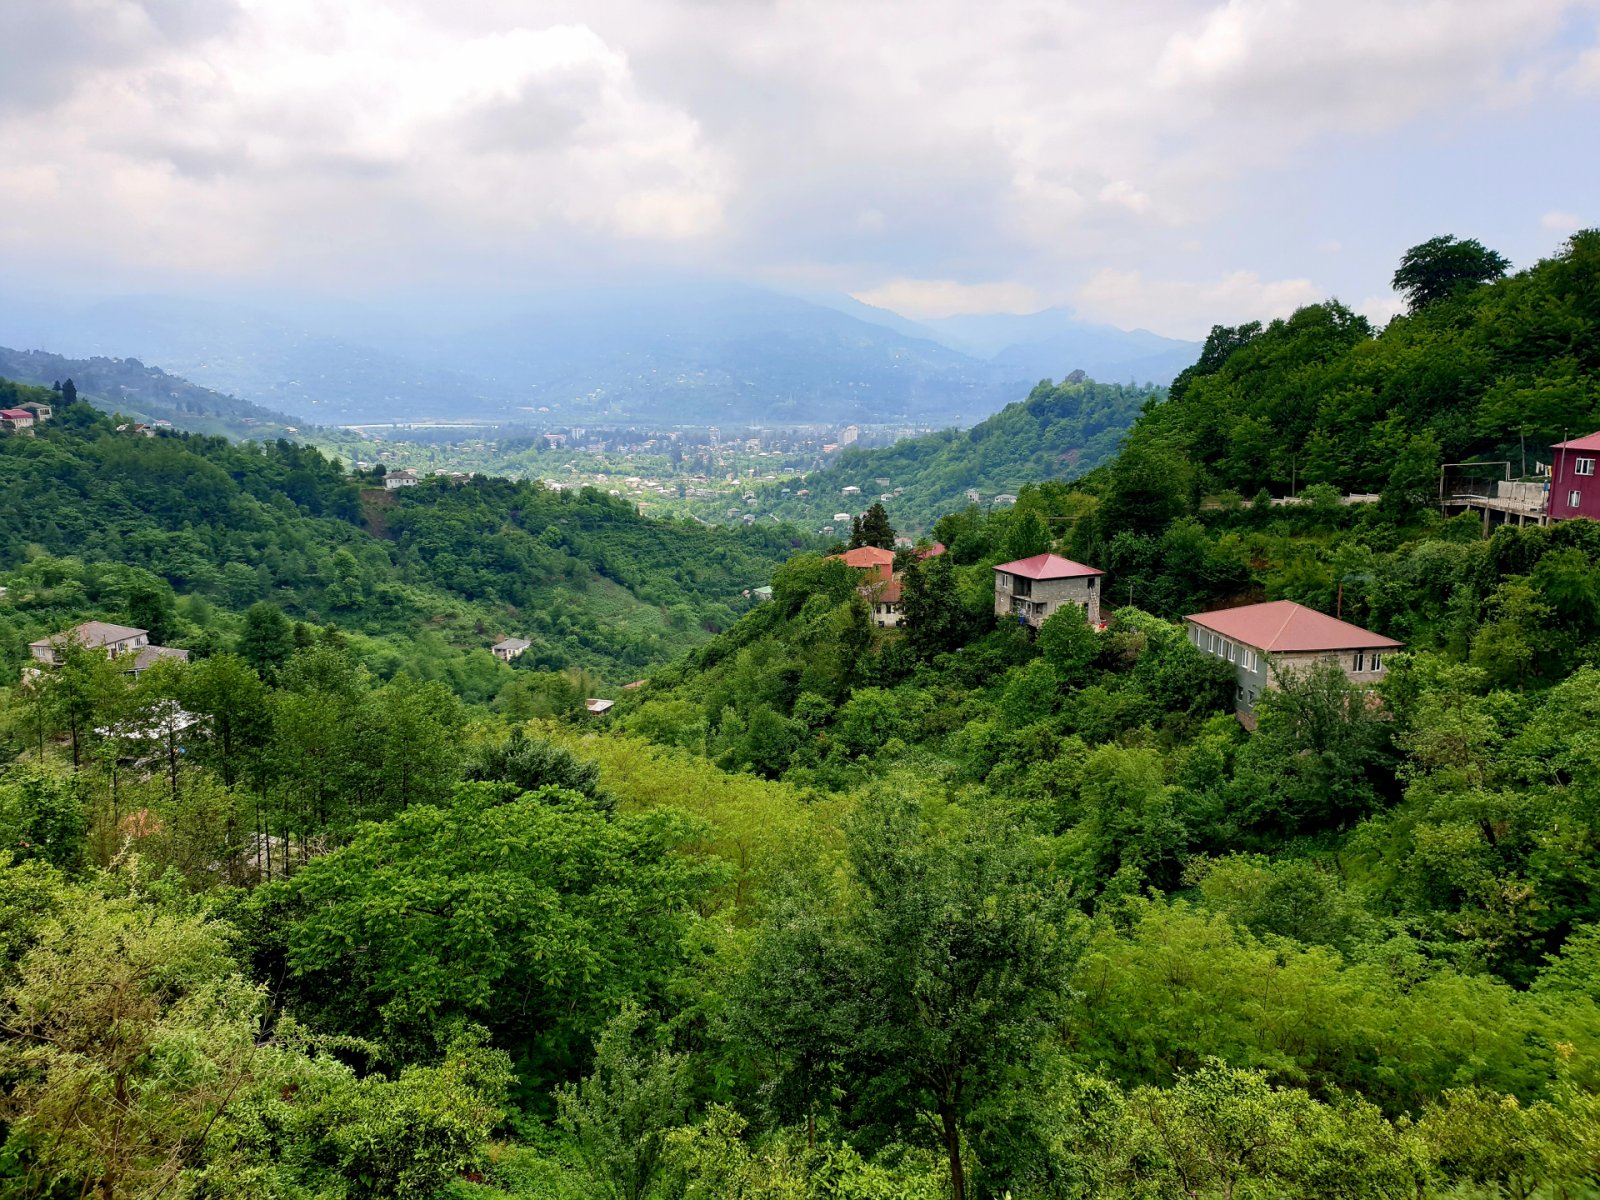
{"x":508,"y":648}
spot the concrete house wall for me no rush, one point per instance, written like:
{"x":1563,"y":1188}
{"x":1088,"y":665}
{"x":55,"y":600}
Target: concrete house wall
{"x":1256,"y":670}
{"x":1035,"y":600}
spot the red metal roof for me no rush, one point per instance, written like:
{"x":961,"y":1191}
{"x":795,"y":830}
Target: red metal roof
{"x":1286,"y":627}
{"x":1592,"y":442}
{"x":15,"y":414}
{"x":932,"y":551}
{"x":1047,"y":566}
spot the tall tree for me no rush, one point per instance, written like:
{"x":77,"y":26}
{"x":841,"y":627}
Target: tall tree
{"x":80,"y":690}
{"x":956,"y":948}
{"x":1442,"y":266}
{"x":874,"y":529}
{"x":267,"y":639}
{"x":935,"y":619}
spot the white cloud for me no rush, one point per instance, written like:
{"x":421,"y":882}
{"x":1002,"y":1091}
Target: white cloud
{"x":1561,"y":222}
{"x":971,"y":154}
{"x":1188,"y":308}
{"x":1380,"y":310}
{"x":337,"y":129}
{"x":945,"y":297}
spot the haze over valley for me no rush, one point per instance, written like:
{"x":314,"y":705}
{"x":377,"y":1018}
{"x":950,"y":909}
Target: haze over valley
{"x":686,"y":352}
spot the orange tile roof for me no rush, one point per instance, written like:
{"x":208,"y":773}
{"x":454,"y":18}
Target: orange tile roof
{"x":866,"y":556}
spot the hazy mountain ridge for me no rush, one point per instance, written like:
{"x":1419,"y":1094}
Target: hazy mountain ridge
{"x":700,"y":353}
{"x":128,"y":386}
{"x":1042,"y":344}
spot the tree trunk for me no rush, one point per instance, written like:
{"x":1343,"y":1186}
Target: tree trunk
{"x":952,"y":1145}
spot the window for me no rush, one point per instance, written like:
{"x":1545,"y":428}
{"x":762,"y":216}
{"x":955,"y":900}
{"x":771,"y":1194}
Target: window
{"x":1574,"y":498}
{"x":1583,"y":466}
{"x":1360,"y":664}
{"x":1247,"y":658}
{"x":1211,"y":642}
{"x":1377,"y":661}
{"x":1231,"y":648}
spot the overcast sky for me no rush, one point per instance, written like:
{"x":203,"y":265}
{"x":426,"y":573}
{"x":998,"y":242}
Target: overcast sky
{"x":1158,"y":163}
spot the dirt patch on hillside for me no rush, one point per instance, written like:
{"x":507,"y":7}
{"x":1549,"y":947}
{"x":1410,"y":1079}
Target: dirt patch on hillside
{"x":375,"y":503}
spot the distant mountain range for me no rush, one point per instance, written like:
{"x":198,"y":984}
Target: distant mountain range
{"x":689,"y":353}
{"x":127,"y":386}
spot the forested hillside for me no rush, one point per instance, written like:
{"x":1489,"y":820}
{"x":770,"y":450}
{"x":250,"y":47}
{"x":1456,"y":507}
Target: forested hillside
{"x":825,"y":910}
{"x":127,"y":386}
{"x":184,"y":534}
{"x":1496,"y":371}
{"x":1059,"y":432}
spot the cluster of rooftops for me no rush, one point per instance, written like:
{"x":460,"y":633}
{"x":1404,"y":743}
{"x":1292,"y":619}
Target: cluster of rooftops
{"x":1258,"y":640}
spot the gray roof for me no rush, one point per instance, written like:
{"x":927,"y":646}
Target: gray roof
{"x":146,"y":655}
{"x":512,"y":644}
{"x":93,"y":634}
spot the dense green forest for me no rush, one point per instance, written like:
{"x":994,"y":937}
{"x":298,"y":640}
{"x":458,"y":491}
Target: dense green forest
{"x":824,"y":910}
{"x":141,"y":393}
{"x":184,"y":534}
{"x":1059,"y":432}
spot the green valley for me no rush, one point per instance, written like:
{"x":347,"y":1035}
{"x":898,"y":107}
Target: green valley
{"x":1219,"y":819}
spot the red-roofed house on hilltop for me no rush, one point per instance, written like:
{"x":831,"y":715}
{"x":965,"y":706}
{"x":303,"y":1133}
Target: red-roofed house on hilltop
{"x":16,"y":418}
{"x":869,"y":558}
{"x":1574,"y":491}
{"x":1264,"y":640}
{"x":1031,"y":589}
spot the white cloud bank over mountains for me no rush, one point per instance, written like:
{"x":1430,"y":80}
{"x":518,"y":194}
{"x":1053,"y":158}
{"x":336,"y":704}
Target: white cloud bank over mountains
{"x":1163,"y":163}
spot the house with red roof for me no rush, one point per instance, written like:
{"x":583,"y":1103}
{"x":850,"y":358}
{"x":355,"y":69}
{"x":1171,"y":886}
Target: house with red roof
{"x":1574,"y":491}
{"x":1262,"y":641}
{"x":1031,"y":589}
{"x":16,"y":418}
{"x":882,"y":588}
{"x":869,"y":558}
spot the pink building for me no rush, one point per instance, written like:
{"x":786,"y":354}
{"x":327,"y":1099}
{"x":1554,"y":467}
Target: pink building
{"x":1574,"y":491}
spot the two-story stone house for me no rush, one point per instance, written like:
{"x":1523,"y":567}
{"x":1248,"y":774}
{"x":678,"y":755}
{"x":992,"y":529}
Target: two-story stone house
{"x":1264,"y":640}
{"x":1031,"y":589}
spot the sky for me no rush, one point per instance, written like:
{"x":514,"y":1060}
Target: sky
{"x":1162,"y":164}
